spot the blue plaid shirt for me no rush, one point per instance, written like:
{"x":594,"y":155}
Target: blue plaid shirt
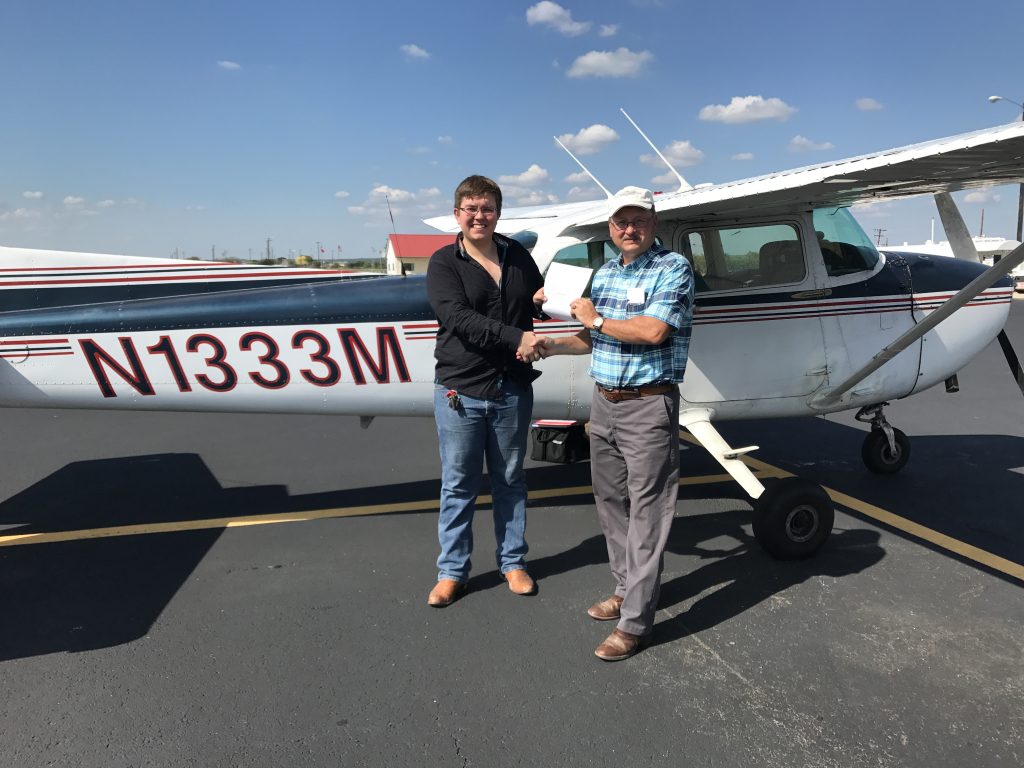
{"x":666,"y":281}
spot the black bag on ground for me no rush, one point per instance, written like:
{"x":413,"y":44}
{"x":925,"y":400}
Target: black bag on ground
{"x":559,"y":444}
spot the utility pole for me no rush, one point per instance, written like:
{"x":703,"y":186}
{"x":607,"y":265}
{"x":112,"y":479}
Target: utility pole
{"x":878,"y":236}
{"x":268,"y":249}
{"x":213,"y":253}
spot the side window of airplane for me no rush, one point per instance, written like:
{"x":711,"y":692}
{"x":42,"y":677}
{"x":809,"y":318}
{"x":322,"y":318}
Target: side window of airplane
{"x":731,"y":258}
{"x":593,"y":255}
{"x":844,"y":245}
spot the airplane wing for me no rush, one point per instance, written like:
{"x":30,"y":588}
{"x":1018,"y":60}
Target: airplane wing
{"x":518,"y":219}
{"x":969,"y":160}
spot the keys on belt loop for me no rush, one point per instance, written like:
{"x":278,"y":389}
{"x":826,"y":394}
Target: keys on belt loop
{"x":454,"y":401}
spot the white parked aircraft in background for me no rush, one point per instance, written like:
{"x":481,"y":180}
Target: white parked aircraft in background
{"x":796,"y":313}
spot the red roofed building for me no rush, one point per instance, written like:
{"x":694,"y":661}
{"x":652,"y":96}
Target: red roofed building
{"x":413,"y":251}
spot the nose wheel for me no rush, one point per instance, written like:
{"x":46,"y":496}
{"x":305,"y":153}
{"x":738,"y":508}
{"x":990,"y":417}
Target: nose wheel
{"x":885,"y":450}
{"x":793,"y":518}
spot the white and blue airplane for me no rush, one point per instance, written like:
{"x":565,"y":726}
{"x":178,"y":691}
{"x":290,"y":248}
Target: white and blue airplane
{"x":797,"y":313}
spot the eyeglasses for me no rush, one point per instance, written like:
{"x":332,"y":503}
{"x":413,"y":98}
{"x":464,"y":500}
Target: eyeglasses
{"x":472,"y":210}
{"x":622,"y":226}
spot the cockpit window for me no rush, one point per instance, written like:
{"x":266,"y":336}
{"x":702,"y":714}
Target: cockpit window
{"x":844,"y":246}
{"x":732,"y":258}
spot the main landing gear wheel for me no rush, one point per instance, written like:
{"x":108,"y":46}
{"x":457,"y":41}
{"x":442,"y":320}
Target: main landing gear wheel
{"x":793,"y":518}
{"x":882,"y":458}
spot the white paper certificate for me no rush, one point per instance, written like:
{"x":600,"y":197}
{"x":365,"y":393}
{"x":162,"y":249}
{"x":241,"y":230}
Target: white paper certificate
{"x":563,"y":284}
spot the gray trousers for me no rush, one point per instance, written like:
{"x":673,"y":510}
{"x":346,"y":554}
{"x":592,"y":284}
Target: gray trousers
{"x":634,"y":461}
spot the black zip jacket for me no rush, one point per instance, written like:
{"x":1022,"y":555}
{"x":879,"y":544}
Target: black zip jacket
{"x":481,"y":323}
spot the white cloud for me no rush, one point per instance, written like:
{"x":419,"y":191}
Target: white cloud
{"x":341,"y":194}
{"x":73,"y":200}
{"x":619,"y":63}
{"x":20,"y":213}
{"x":531,"y":177}
{"x":678,"y":153}
{"x":579,"y":194}
{"x":981,"y":196}
{"x":391,"y":193}
{"x":590,"y":140}
{"x":413,"y":51}
{"x":743,"y":156}
{"x":533,"y":197}
{"x":577,"y":178}
{"x":232,"y":66}
{"x":357,"y":210}
{"x":445,"y":139}
{"x":555,"y":16}
{"x":419,"y":150}
{"x":29,"y":195}
{"x":665,"y":178}
{"x":608,"y":30}
{"x":105,"y":204}
{"x":195,"y":207}
{"x":802,"y":144}
{"x":868,"y":104}
{"x":747,"y":109}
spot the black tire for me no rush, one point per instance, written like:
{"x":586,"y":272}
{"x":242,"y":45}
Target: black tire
{"x":793,"y":518}
{"x":879,"y":457}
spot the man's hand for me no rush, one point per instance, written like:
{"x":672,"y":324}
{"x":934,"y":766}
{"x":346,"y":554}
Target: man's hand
{"x":584,"y":311}
{"x":539,"y":297}
{"x":529,"y":348}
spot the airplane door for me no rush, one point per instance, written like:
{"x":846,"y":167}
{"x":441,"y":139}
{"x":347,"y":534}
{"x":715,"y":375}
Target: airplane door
{"x":870,"y":306}
{"x":757,"y":332}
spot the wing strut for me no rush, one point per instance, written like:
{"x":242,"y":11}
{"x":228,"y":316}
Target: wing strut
{"x":968,"y":293}
{"x":959,"y":238}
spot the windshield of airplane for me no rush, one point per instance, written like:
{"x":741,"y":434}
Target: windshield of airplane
{"x":844,"y":246}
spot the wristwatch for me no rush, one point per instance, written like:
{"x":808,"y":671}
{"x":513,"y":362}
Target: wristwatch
{"x":598,"y":322}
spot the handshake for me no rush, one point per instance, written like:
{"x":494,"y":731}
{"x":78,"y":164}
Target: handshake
{"x":533,"y":347}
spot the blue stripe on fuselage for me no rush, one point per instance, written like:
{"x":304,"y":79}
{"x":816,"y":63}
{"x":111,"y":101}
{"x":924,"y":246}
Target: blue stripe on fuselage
{"x":387,"y":299}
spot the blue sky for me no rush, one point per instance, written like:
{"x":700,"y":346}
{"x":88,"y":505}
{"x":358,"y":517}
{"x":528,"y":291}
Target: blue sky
{"x":196,"y":127}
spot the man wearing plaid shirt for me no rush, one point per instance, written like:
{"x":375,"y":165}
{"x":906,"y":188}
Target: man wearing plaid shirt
{"x":637,"y":324}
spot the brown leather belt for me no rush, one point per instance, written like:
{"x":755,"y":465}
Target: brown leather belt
{"x":616,"y":395}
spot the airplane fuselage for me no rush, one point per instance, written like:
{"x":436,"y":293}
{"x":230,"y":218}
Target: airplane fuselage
{"x":762,"y":347}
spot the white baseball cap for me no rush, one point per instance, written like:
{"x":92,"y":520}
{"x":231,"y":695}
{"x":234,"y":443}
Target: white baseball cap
{"x":630,"y":197}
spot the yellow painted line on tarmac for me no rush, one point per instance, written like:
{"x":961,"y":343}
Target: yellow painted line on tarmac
{"x":179,"y":526}
{"x":761,"y":470}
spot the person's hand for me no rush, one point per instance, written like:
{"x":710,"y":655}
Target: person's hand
{"x":546,"y":346}
{"x":529,"y":348}
{"x":540,"y":297}
{"x":584,"y":311}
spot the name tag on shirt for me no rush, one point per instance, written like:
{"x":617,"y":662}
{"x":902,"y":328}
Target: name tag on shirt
{"x":636,"y":296}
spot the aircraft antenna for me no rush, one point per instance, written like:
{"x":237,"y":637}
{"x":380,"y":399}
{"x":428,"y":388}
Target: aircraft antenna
{"x":395,"y":232}
{"x":581,"y":165}
{"x":684,"y":185}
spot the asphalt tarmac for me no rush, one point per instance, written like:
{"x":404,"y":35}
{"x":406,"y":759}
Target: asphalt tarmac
{"x":299,"y":634}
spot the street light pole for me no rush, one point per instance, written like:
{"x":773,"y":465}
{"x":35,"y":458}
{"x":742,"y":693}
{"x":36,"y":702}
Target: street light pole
{"x":1020,"y":196}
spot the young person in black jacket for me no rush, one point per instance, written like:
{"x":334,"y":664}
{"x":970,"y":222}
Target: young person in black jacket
{"x":485,"y":290}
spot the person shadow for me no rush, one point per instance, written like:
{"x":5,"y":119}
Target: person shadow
{"x":734,"y":580}
{"x":731,"y":579}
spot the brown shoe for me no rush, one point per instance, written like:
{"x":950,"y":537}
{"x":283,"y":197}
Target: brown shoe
{"x":520,"y":583}
{"x":606,"y":610}
{"x":621,"y":645}
{"x":445,"y":592}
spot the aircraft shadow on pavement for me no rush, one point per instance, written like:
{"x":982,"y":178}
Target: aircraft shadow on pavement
{"x":968,"y":487}
{"x":79,"y":595}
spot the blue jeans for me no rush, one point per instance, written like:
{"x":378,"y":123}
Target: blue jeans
{"x":495,"y":430}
